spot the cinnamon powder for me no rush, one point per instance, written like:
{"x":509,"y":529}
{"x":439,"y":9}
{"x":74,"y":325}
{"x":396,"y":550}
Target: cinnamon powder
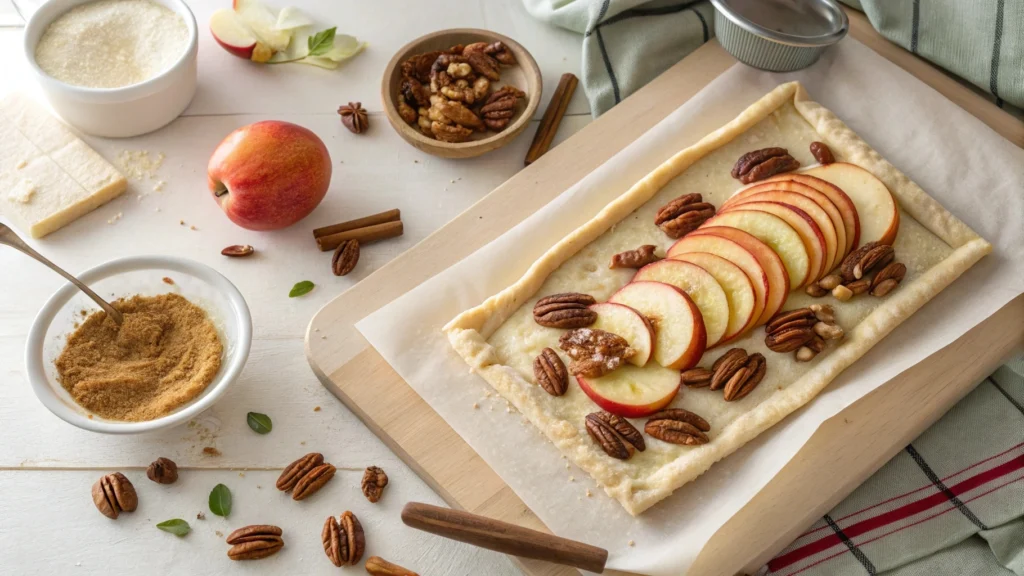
{"x":163,"y":355}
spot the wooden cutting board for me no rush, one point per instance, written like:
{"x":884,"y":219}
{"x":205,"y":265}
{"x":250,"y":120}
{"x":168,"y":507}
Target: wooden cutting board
{"x":839,"y":456}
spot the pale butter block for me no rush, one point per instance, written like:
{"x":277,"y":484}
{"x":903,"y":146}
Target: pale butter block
{"x":69,"y":179}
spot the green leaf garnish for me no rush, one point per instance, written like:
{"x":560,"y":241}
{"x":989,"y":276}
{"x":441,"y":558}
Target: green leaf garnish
{"x":321,"y":42}
{"x":175,"y":526}
{"x":260,"y":423}
{"x":301,"y":289}
{"x":220,"y":500}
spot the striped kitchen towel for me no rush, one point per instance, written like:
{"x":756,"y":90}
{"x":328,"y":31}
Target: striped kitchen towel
{"x":952,"y":502}
{"x":627,"y":43}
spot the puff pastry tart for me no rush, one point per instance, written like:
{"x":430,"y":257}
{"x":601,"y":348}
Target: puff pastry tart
{"x":719,"y":294}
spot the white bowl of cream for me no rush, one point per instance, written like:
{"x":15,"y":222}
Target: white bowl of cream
{"x":114,"y":68}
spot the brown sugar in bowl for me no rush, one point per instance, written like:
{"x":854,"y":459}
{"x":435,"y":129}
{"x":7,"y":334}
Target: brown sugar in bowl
{"x":525,"y":75}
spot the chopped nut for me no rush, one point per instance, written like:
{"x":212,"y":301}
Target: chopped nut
{"x":637,"y":258}
{"x":822,"y":153}
{"x":842,"y":293}
{"x":594,"y":353}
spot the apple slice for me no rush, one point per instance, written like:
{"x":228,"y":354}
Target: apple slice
{"x":839,"y":199}
{"x":737,"y":287}
{"x":834,"y":250}
{"x":263,"y":23}
{"x":806,"y":228}
{"x":699,"y":285}
{"x":679,"y":334}
{"x":631,"y":325}
{"x":776,"y":233}
{"x":632,"y":392}
{"x":234,"y":36}
{"x":839,"y":221}
{"x":762,"y":265}
{"x":877,"y":209}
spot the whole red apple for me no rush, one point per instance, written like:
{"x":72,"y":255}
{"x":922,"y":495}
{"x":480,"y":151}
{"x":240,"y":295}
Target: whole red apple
{"x":269,"y":175}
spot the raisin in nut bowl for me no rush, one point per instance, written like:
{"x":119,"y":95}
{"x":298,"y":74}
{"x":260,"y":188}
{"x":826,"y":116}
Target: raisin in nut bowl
{"x":461,"y":93}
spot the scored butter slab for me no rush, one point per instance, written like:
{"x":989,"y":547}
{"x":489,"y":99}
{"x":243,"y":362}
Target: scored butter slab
{"x":499,"y":340}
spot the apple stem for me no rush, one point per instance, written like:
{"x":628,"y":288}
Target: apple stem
{"x":220,"y":191}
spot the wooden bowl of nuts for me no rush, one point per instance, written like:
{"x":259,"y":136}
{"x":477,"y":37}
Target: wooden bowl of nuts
{"x":462,"y":92}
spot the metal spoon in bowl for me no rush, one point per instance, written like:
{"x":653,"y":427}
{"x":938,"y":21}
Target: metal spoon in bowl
{"x":8,"y":237}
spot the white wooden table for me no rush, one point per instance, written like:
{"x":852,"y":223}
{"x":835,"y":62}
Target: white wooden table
{"x":47,"y":467}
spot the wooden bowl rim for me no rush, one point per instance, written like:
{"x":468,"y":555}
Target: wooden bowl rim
{"x":530,"y":67}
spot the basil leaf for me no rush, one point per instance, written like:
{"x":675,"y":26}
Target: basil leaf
{"x":175,"y":526}
{"x":301,"y":289}
{"x":260,"y":423}
{"x":321,"y":42}
{"x":220,"y":500}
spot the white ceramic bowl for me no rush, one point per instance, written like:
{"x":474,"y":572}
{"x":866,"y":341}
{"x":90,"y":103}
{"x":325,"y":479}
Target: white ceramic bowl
{"x":117,"y":112}
{"x":123,"y":277}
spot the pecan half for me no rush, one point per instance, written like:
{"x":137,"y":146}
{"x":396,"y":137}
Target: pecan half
{"x":789,"y":330}
{"x":822,"y":153}
{"x":683,"y":215}
{"x":113,"y":494}
{"x":637,"y":258}
{"x":377,"y":566}
{"x":313,"y":481}
{"x":450,"y":132}
{"x":746,"y":379}
{"x":696,"y":377}
{"x":887,"y":279}
{"x":616,"y":436}
{"x":497,"y":50}
{"x":879,"y":256}
{"x":163,"y":471}
{"x":345,"y":257}
{"x":500,"y":106}
{"x":852,"y":259}
{"x":343,"y":539}
{"x":255,"y":542}
{"x":374,"y":481}
{"x":678,"y":426}
{"x":761,"y":164}
{"x":858,"y":287}
{"x":238,"y":250}
{"x":483,"y":65}
{"x":565,"y":310}
{"x":550,"y":372}
{"x":296,"y":470}
{"x":727,"y":365}
{"x":594,"y":353}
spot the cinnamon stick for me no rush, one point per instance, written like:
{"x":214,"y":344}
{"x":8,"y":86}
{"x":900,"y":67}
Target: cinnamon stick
{"x":388,"y":216}
{"x":363,"y":235}
{"x":552,"y":118}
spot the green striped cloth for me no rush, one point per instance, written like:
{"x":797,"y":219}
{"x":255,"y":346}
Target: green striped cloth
{"x":627,"y":43}
{"x":952,"y":502}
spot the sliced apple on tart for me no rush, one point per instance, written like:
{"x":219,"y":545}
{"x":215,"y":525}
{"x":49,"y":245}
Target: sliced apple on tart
{"x":679,"y":334}
{"x":631,"y":325}
{"x":739,"y":291}
{"x":776,"y":233}
{"x":877,"y":210}
{"x":632,"y":392}
{"x":700,"y":285}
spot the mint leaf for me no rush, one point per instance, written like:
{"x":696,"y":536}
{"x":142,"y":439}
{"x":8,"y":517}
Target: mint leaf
{"x":175,"y":526}
{"x":321,"y":42}
{"x":260,"y":423}
{"x":301,"y":289}
{"x":220,"y":500}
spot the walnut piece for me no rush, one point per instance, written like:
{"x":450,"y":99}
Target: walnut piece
{"x":594,"y":353}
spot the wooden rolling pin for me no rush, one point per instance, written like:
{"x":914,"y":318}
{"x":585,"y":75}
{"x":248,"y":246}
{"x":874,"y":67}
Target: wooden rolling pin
{"x":503,"y":537}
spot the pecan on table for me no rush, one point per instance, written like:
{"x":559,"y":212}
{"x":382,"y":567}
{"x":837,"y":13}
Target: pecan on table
{"x":550,"y":372}
{"x":761,"y":164}
{"x":683,"y":215}
{"x":377,"y":566}
{"x":373,"y":483}
{"x":616,"y":436}
{"x":822,"y":153}
{"x":594,"y":353}
{"x":727,"y":365}
{"x":343,"y":539}
{"x":565,"y":310}
{"x":313,"y":481}
{"x":296,"y":470}
{"x":887,"y":279}
{"x":746,"y":379}
{"x":163,"y":471}
{"x":500,"y":106}
{"x":345,"y":257}
{"x":678,"y":426}
{"x":114,"y":494}
{"x":255,"y":542}
{"x":637,"y":258}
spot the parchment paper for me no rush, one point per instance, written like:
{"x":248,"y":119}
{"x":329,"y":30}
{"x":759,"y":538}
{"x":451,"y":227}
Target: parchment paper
{"x":971,"y":170}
